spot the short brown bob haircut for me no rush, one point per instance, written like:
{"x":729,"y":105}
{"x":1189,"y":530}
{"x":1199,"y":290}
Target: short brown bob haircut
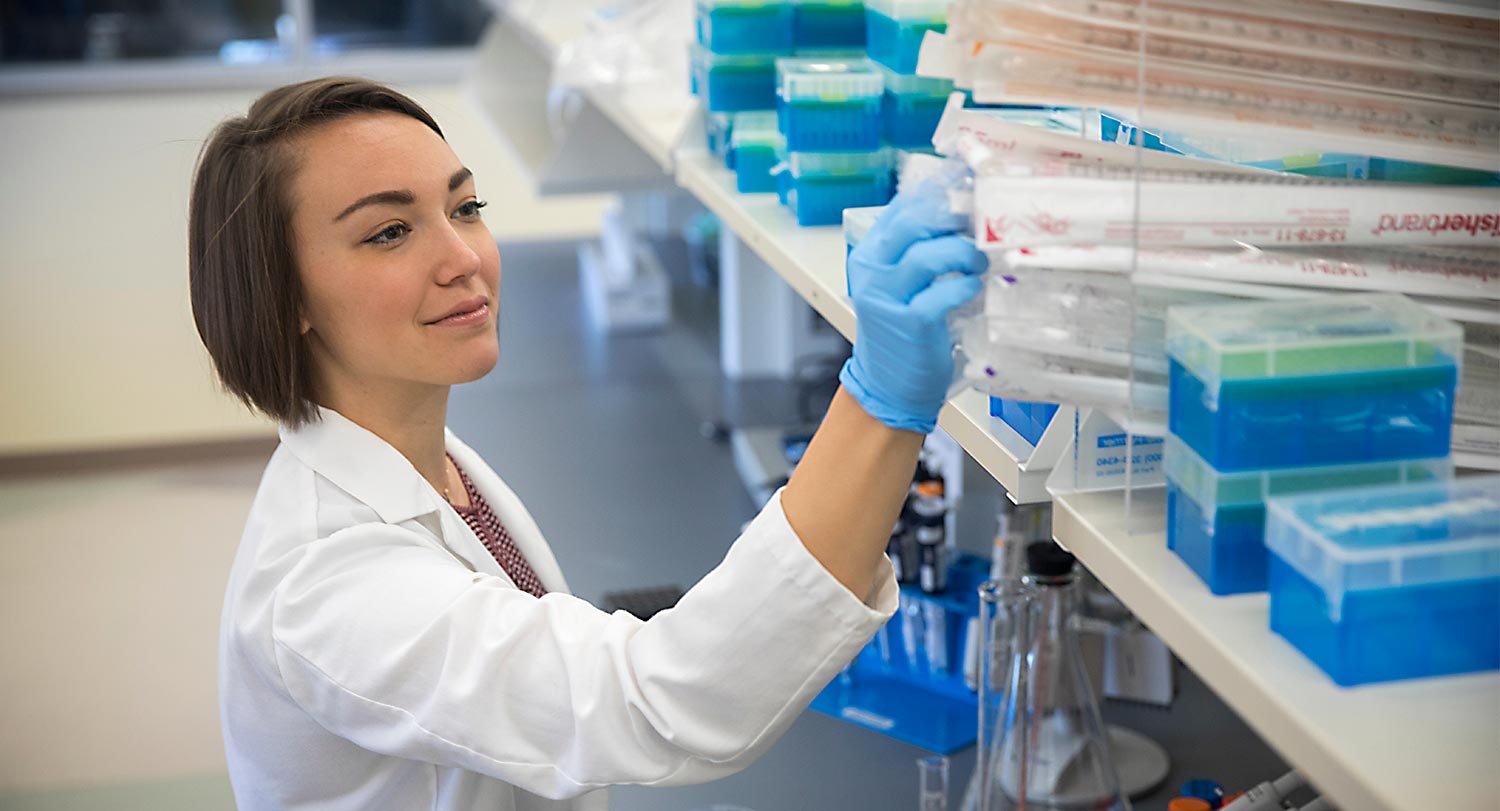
{"x":242,"y":270}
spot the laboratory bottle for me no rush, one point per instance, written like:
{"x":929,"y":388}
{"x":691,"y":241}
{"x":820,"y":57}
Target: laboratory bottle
{"x":1047,"y":749}
{"x":1008,"y":547}
{"x":901,"y":551}
{"x":929,"y":530}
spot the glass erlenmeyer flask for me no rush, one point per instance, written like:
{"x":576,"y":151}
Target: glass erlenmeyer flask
{"x":1048,"y":748}
{"x":1003,"y":603}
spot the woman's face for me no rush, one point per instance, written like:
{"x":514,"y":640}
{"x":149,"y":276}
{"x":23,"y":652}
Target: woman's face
{"x":399,"y":275}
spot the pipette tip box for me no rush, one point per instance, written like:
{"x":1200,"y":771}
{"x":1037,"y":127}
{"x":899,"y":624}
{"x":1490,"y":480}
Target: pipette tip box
{"x":894,"y":30}
{"x":1317,"y":381}
{"x":828,"y":24}
{"x":744,"y":26}
{"x":829,"y":105}
{"x":911,"y":108}
{"x":1387,"y":583}
{"x":733,"y":83}
{"x":755,"y":142}
{"x":818,"y":186}
{"x":1216,"y":521}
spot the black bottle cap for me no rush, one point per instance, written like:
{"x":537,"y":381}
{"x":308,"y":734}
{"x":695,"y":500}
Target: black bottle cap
{"x":1047,"y":559}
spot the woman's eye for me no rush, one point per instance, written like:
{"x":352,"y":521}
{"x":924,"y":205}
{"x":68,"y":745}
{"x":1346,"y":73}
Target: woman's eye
{"x":389,"y":234}
{"x":471,"y":208}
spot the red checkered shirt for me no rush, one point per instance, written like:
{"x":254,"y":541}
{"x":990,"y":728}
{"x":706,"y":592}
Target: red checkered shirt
{"x":496,"y":539}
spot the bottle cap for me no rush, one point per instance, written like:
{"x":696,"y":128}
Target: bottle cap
{"x":931,"y":487}
{"x":1206,"y":790}
{"x":1188,"y":804}
{"x":1047,"y":559}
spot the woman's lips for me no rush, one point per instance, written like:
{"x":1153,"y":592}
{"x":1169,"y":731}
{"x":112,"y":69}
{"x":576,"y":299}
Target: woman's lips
{"x":475,"y":316}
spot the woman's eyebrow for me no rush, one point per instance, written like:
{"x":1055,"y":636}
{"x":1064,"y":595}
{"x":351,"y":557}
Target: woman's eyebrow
{"x":400,"y":197}
{"x":458,"y":178}
{"x":397,"y":198}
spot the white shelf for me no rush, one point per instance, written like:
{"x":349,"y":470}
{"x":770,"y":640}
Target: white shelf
{"x":1406,"y":746}
{"x":811,"y":260}
{"x":652,"y":118}
{"x":1420,"y":745}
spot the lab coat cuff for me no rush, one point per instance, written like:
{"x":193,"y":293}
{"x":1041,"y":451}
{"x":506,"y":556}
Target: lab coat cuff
{"x":864,"y":616}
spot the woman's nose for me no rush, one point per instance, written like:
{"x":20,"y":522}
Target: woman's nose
{"x":458,"y":260}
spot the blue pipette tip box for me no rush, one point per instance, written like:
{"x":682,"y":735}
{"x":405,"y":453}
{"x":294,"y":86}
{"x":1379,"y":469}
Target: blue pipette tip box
{"x":734,"y":83}
{"x":818,"y":186}
{"x":1319,"y":381}
{"x":894,"y":30}
{"x":755,"y":143}
{"x":1216,"y":521}
{"x":1387,"y":583}
{"x":911,"y":108}
{"x":829,"y":105}
{"x":828,"y":24}
{"x":744,"y":26}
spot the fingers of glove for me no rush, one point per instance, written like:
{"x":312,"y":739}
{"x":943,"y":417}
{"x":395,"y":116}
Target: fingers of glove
{"x":945,"y":295}
{"x":929,"y":259}
{"x":906,"y":220}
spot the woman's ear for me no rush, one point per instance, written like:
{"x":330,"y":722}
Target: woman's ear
{"x":303,"y":325}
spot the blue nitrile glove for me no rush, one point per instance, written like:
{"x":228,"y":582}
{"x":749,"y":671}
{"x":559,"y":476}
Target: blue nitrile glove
{"x":899,"y":278}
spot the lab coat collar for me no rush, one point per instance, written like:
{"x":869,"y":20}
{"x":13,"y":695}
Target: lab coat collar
{"x":372,"y":471}
{"x":362,"y":465}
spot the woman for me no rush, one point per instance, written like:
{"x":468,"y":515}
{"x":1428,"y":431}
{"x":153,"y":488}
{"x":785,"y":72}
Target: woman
{"x":396,"y":633}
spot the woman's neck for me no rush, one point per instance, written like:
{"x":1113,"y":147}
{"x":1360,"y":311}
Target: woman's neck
{"x":411,"y":421}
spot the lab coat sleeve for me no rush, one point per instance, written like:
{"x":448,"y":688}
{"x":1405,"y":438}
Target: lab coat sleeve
{"x":387,"y":641}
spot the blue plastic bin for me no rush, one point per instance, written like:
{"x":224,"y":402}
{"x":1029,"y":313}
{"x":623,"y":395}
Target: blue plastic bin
{"x":924,"y":706}
{"x":1319,"y":381}
{"x":744,"y":26}
{"x":1387,"y":583}
{"x":1216,"y":521}
{"x":829,"y":105}
{"x":755,"y":144}
{"x":732,"y":84}
{"x":894,"y":30}
{"x":828,"y":24}
{"x":818,"y":186}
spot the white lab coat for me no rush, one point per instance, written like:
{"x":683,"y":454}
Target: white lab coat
{"x":373,"y":655}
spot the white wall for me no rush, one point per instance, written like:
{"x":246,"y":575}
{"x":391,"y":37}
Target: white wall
{"x":97,"y":345}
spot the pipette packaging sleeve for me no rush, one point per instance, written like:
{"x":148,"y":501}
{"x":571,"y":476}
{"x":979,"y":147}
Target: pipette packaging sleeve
{"x":894,"y":30}
{"x":1216,"y":521}
{"x":829,"y":105}
{"x":1187,"y":97}
{"x":1393,"y":582}
{"x":924,"y":702}
{"x":744,"y":26}
{"x":820,"y":185}
{"x":1318,"y":381}
{"x":755,"y":143}
{"x":1082,"y":205}
{"x":829,"y":24}
{"x":912,"y":107}
{"x":735,"y":83}
{"x":1434,"y":271}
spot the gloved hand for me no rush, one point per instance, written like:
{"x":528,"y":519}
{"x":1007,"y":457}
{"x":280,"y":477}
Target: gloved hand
{"x":903,"y":355}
